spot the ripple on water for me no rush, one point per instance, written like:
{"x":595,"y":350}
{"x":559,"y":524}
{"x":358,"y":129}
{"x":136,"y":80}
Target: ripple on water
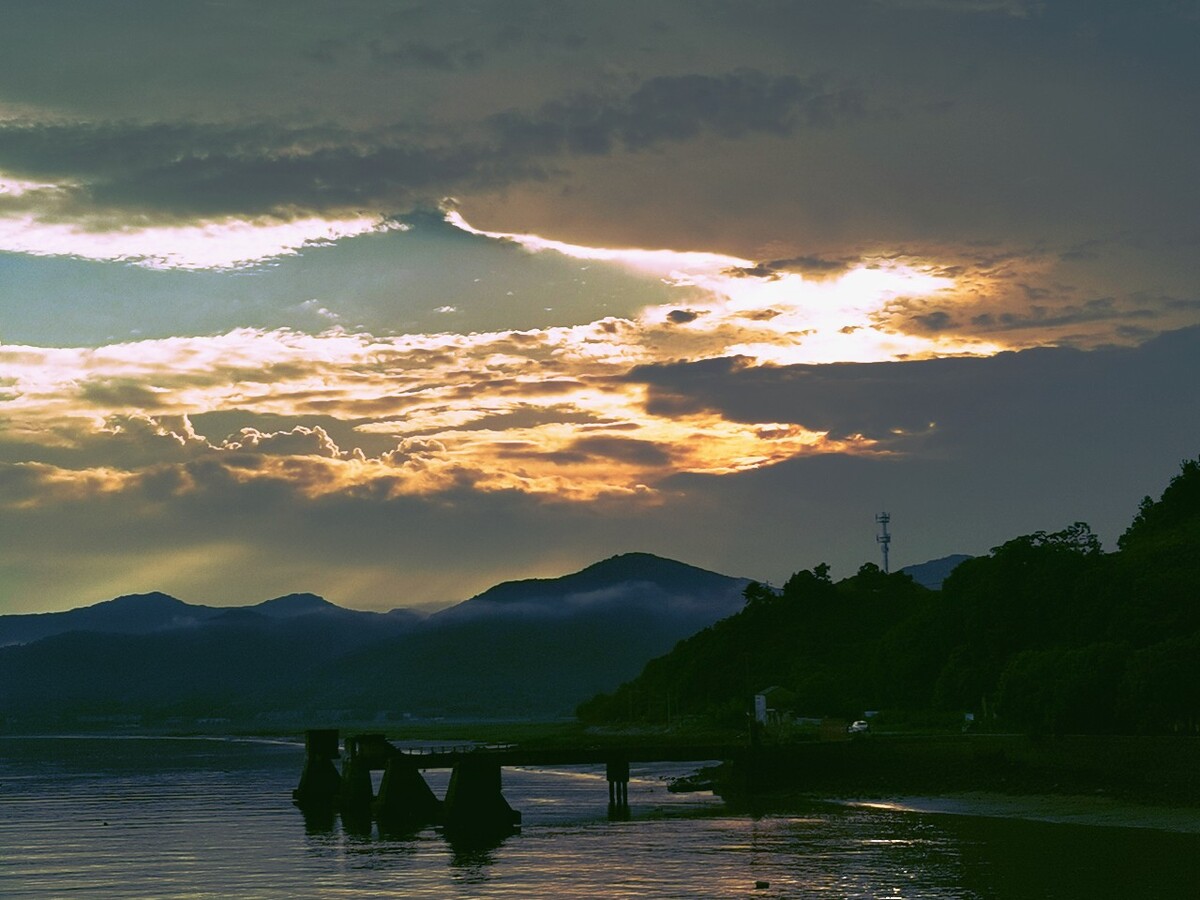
{"x":109,"y":818}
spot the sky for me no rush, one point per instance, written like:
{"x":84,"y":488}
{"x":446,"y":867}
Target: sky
{"x":393,"y":301}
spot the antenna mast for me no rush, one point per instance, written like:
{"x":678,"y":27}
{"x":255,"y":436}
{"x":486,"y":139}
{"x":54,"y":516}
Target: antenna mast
{"x":883,"y":537}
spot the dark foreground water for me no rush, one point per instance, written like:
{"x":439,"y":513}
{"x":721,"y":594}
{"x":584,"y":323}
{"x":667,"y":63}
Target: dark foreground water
{"x":196,"y":818}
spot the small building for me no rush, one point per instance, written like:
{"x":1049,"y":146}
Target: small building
{"x":773,"y":705}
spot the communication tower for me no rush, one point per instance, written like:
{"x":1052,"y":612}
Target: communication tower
{"x":883,"y":537}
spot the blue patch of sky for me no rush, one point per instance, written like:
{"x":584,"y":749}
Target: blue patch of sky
{"x":431,"y":278}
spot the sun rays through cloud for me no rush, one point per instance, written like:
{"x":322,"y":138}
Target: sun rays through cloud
{"x":549,"y":412}
{"x":342,"y":297}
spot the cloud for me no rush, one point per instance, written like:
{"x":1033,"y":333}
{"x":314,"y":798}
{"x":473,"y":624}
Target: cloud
{"x":567,"y":414}
{"x":119,"y":392}
{"x":448,"y":57}
{"x":472,"y":403}
{"x":215,"y":244}
{"x":176,"y":193}
{"x":809,"y":266}
{"x":678,"y":108}
{"x":621,"y":449}
{"x":1020,"y":9}
{"x":312,"y":521}
{"x":299,"y":441}
{"x":931,"y":407}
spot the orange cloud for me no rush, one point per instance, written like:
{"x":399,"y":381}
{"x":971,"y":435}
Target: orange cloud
{"x":545,"y":412}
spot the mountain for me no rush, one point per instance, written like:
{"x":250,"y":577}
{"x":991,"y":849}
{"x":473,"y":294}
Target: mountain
{"x":131,"y":614}
{"x":625,"y":568}
{"x":931,"y":574}
{"x":156,"y":612}
{"x":671,"y":588}
{"x":538,"y":646}
{"x":292,"y":605}
{"x":526,"y":648}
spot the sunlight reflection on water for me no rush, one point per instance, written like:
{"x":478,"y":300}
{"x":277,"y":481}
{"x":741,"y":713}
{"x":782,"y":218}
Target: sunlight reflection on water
{"x":108,"y":818}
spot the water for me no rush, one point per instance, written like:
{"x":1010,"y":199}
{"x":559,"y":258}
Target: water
{"x":197,"y":818}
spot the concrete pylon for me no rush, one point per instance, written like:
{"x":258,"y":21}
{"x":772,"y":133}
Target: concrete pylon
{"x":320,"y":783}
{"x":364,"y":752}
{"x":405,"y":800}
{"x":356,"y":791}
{"x":474,"y":804}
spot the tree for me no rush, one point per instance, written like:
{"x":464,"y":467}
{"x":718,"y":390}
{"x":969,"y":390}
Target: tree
{"x":1179,"y":507}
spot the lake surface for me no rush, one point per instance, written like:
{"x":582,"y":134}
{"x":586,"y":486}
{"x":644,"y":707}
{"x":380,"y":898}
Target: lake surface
{"x":197,"y":818}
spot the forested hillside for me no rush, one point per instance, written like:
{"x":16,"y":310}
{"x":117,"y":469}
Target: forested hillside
{"x":1045,"y":634}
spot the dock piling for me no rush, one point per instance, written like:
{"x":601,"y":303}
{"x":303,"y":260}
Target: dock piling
{"x":617,"y":773}
{"x":474,"y":803}
{"x":320,"y":783}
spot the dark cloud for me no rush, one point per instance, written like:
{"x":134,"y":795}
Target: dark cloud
{"x":190,"y":169}
{"x":423,"y":54}
{"x":583,"y":450}
{"x":677,"y":108}
{"x":941,"y":402}
{"x":810,"y":266}
{"x":1017,"y":8}
{"x":121,"y":393}
{"x":628,"y":450}
{"x":111,"y":149}
{"x":1043,"y":318}
{"x":414,"y":38}
{"x":938,"y":320}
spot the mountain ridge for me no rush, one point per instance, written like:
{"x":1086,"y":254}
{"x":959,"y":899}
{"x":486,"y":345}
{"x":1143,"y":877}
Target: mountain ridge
{"x":530,"y":648}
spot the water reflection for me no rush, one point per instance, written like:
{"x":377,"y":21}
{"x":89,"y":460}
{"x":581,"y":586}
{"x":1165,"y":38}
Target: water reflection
{"x":1036,"y":859}
{"x":472,"y":844}
{"x":319,"y":821}
{"x":357,"y":825}
{"x":212,"y":816}
{"x":392,"y":831}
{"x":472,"y":860}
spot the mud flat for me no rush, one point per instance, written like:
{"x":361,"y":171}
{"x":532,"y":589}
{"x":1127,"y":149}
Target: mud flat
{"x":1106,"y":771}
{"x":1071,"y":810}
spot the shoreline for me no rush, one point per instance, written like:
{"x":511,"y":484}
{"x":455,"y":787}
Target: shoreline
{"x":1032,"y":800}
{"x":1058,"y":809}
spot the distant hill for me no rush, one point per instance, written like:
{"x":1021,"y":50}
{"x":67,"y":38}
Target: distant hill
{"x":293,"y":605}
{"x":629,"y":579}
{"x":156,"y":612}
{"x":644,"y":568}
{"x":131,"y":614}
{"x":537,"y":647}
{"x":524,"y":648}
{"x":931,"y":574}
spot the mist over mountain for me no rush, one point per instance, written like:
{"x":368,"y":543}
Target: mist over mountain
{"x":156,"y":613}
{"x":130,"y":614}
{"x":536,"y":646}
{"x":629,"y":580}
{"x":522,"y":648}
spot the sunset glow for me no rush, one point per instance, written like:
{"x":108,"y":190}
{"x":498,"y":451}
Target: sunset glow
{"x":345,"y":297}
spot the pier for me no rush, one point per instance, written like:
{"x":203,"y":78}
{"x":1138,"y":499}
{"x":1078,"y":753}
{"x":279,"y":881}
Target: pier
{"x":474,"y":801}
{"x":753,"y":778}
